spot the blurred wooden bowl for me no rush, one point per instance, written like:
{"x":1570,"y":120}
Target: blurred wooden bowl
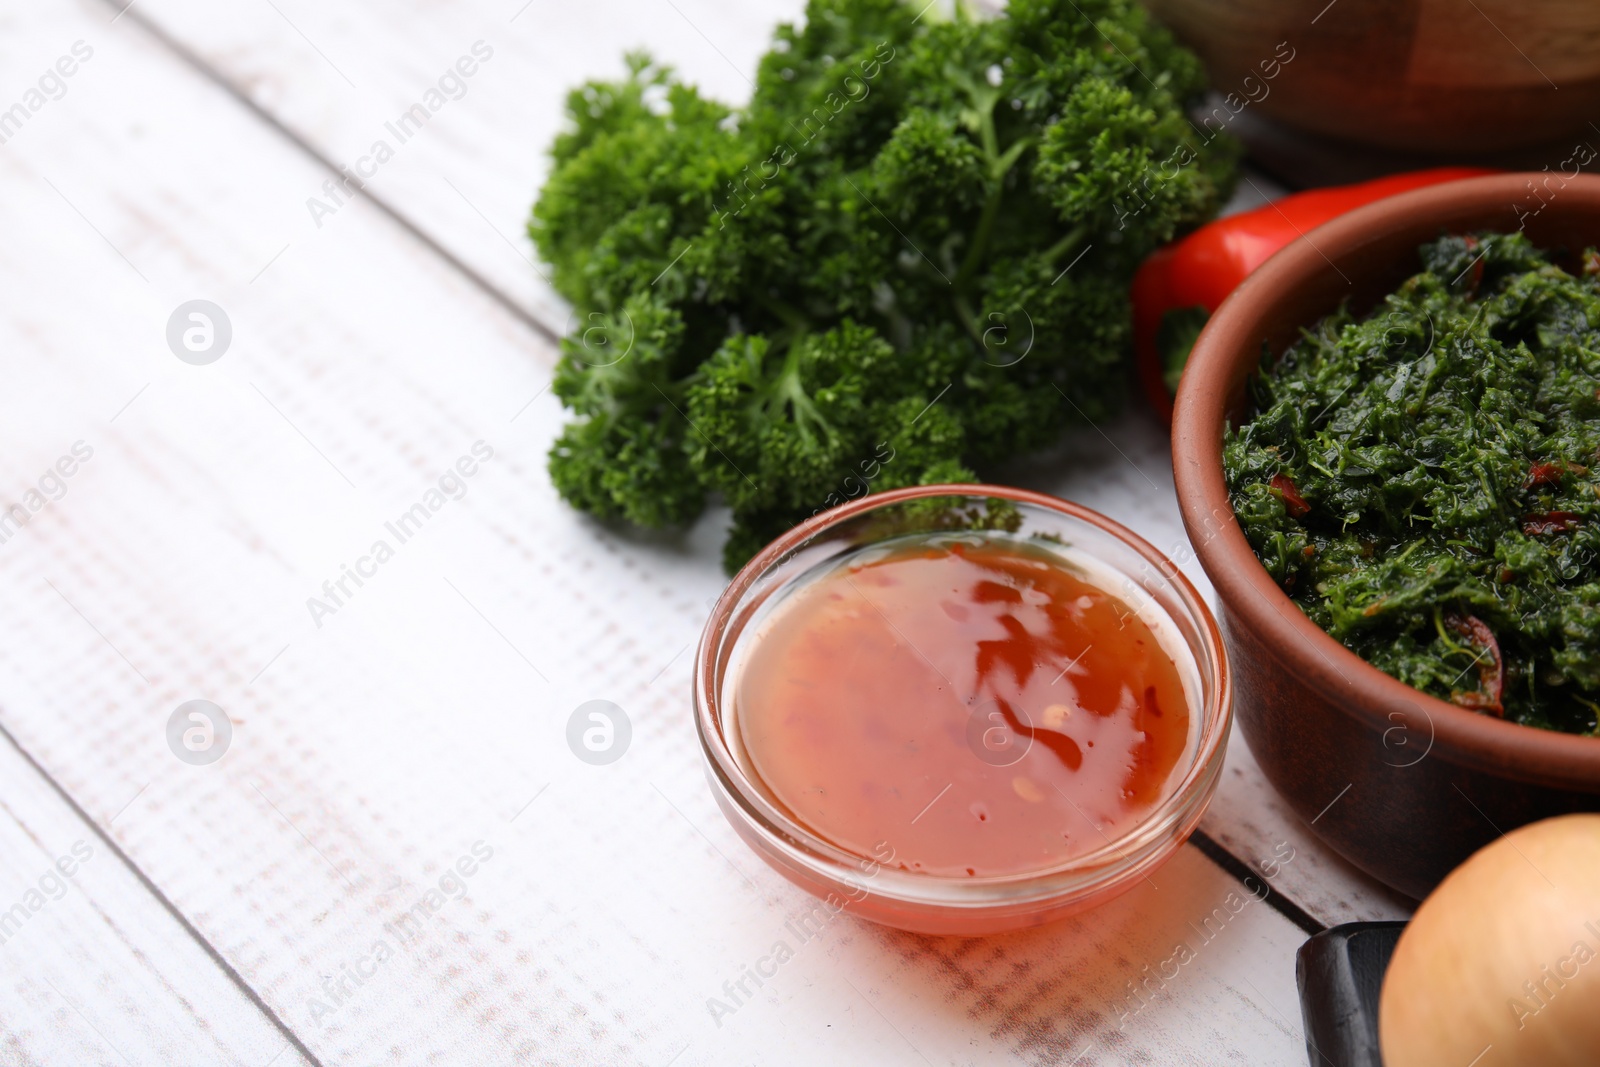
{"x":1448,"y":77}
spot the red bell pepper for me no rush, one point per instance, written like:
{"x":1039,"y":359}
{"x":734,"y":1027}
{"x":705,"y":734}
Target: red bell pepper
{"x":1182,"y":283}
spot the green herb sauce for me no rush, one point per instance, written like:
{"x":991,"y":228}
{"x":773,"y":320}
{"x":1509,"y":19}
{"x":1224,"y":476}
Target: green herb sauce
{"x":1422,"y":481}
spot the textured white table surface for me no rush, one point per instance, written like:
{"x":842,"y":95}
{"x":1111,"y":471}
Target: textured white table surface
{"x":251,"y":911}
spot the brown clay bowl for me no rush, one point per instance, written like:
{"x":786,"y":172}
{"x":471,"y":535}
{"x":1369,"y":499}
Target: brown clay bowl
{"x":1434,"y":76}
{"x":1403,"y":785}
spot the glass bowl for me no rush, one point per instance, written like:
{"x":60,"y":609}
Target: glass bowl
{"x":1129,"y":567}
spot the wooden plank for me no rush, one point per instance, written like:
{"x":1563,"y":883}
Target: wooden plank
{"x":93,"y":968}
{"x":418,"y":729}
{"x":338,"y":77}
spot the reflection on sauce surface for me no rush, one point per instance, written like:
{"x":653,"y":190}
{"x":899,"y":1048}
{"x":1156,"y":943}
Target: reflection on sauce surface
{"x":976,"y":704}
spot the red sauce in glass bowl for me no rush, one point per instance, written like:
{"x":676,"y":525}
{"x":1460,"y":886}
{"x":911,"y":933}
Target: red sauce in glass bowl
{"x":979,"y":705}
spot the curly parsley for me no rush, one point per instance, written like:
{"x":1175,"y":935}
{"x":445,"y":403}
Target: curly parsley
{"x":914,"y":241}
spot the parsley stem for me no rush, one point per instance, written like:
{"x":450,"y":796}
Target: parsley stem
{"x":1068,"y":242}
{"x":980,"y":239}
{"x":999,"y":167}
{"x":791,"y":316}
{"x":964,"y":313}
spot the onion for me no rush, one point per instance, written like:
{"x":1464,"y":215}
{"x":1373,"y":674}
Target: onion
{"x":1501,"y":965}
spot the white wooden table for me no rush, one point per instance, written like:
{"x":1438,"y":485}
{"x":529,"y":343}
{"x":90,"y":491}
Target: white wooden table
{"x":283,"y":904}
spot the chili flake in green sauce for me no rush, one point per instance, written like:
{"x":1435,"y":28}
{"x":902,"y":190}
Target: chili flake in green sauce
{"x":1423,"y":481}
